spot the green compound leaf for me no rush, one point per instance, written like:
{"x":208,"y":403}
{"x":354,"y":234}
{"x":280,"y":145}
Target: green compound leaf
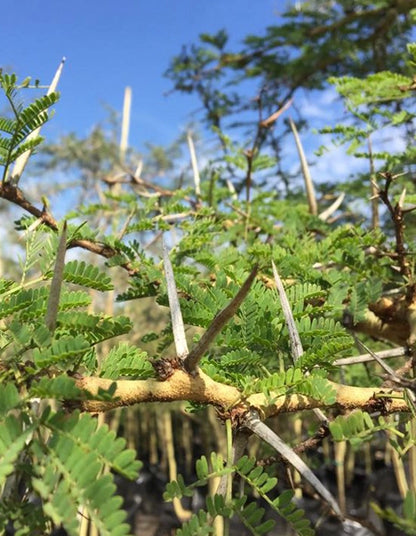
{"x":9,"y":398}
{"x":126,"y":360}
{"x":14,"y":435}
{"x":87,"y":275}
{"x":61,"y":351}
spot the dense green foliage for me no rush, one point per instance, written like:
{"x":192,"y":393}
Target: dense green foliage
{"x":55,"y":462}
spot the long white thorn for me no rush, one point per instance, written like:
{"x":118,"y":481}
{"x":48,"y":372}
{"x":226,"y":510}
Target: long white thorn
{"x":325,"y":214}
{"x":21,"y":161}
{"x":295,"y":342}
{"x":178,"y":328}
{"x":253,"y":423}
{"x":310,"y":191}
{"x":194,"y":162}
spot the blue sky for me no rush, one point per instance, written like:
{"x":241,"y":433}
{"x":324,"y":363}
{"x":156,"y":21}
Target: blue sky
{"x":110,"y":44}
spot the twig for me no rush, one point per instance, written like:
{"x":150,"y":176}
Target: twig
{"x":15,"y":195}
{"x":375,"y":219}
{"x":308,"y":444}
{"x":262,"y":127}
{"x":364,"y":358}
{"x":191,"y":362}
{"x":392,"y":374}
{"x":136,"y":179}
{"x":238,"y":448}
{"x":249,"y":154}
{"x":382,"y":364}
{"x":313,"y":442}
{"x":396,"y":214}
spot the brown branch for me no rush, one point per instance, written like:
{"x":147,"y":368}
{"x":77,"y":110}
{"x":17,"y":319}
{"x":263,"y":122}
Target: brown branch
{"x":204,"y":390}
{"x":312,"y":443}
{"x":14,"y":195}
{"x":194,"y":356}
{"x":375,"y":217}
{"x":396,"y":214}
{"x":249,"y":154}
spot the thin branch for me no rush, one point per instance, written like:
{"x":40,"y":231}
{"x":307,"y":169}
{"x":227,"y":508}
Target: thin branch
{"x":365,"y":358}
{"x":136,"y":179}
{"x":375,"y":218}
{"x":312,"y":443}
{"x":15,"y":195}
{"x":249,"y":154}
{"x":259,"y":138}
{"x":396,"y":214}
{"x":239,"y":446}
{"x":192,"y":360}
{"x":392,"y":374}
{"x":350,"y":17}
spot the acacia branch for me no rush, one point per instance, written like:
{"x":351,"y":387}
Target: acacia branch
{"x":194,"y":356}
{"x":397,"y":217}
{"x":15,"y":195}
{"x":387,"y":319}
{"x":181,"y":386}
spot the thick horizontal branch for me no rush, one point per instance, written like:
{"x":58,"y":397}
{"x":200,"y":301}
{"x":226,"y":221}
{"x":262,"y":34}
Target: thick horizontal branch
{"x":388,"y":320}
{"x":179,"y":386}
{"x":204,"y":390}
